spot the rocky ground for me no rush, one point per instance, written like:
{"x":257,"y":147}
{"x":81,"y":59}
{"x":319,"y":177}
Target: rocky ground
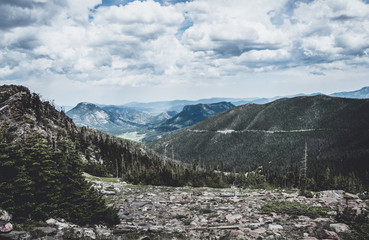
{"x":151,"y":212}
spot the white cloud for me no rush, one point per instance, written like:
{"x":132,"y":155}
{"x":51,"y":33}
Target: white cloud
{"x":145,"y":44}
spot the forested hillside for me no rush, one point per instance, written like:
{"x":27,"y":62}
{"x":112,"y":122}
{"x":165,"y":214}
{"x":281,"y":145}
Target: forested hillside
{"x":192,"y":114}
{"x":43,"y":155}
{"x":271,"y":138}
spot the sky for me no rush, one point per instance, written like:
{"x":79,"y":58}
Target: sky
{"x":119,"y":51}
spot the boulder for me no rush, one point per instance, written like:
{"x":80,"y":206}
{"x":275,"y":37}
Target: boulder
{"x":233,"y":218}
{"x":308,"y":238}
{"x":16,"y":235}
{"x":350,"y":196}
{"x":340,"y":227}
{"x":60,"y":225}
{"x":89,"y":233}
{"x":5,"y":226}
{"x":103,"y":232}
{"x":47,"y":230}
{"x":4,"y":215}
{"x":275,"y":227}
{"x":325,"y":234}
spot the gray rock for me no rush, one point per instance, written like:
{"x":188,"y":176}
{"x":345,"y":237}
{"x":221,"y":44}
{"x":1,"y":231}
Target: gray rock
{"x":47,"y":230}
{"x":16,"y":235}
{"x":5,"y":216}
{"x":5,"y":227}
{"x":233,"y":218}
{"x":332,"y":194}
{"x":139,"y":204}
{"x":340,"y":227}
{"x":325,"y":234}
{"x":89,"y":233}
{"x":60,"y":225}
{"x":103,"y":232}
{"x":275,"y":227}
{"x":119,"y":229}
{"x":48,"y":238}
{"x":78,"y":232}
{"x":350,"y":196}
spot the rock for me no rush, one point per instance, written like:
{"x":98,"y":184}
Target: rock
{"x":103,"y":232}
{"x":297,"y":225}
{"x":157,"y":228}
{"x":340,"y":227}
{"x":106,"y":192}
{"x":48,"y":238}
{"x":144,"y":238}
{"x":47,"y":230}
{"x":350,"y":196}
{"x":51,"y":221}
{"x":60,"y":224}
{"x":5,"y":227}
{"x":258,"y":231}
{"x":274,"y":227}
{"x":89,"y":233}
{"x":304,"y":219}
{"x":139,"y":204}
{"x":16,"y":235}
{"x":78,"y":232}
{"x":233,"y":218}
{"x":325,"y":234}
{"x":4,"y":215}
{"x":319,"y":220}
{"x":308,"y":238}
{"x":332,"y":193}
{"x":124,"y":229}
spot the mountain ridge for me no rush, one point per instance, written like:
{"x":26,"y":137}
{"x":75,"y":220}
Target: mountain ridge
{"x":273,"y":136}
{"x":192,"y":114}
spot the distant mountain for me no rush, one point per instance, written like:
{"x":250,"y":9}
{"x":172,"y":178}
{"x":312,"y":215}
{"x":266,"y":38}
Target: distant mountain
{"x":360,"y":94}
{"x":178,"y":105}
{"x":193,"y":114}
{"x":272,"y":136}
{"x":91,"y":115}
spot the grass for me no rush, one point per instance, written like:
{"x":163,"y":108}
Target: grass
{"x":293,"y":209}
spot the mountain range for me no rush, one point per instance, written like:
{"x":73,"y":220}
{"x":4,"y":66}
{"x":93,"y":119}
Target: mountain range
{"x":123,"y":121}
{"x":193,"y":114}
{"x":320,"y":139}
{"x":333,"y":132}
{"x":147,"y":122}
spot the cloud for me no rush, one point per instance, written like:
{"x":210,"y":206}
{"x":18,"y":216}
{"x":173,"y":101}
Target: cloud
{"x":128,"y":43}
{"x":20,"y":13}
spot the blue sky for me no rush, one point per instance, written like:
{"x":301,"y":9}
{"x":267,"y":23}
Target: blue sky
{"x":117,"y":51}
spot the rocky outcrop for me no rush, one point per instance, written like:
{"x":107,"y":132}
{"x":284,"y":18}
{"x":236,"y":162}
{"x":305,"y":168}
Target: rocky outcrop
{"x":5,"y":225}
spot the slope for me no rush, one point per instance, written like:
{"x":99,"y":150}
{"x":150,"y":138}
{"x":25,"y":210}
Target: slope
{"x":193,"y":114}
{"x":272,"y":137}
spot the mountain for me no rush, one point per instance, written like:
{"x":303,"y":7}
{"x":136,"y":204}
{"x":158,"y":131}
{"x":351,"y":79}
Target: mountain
{"x":192,"y":114}
{"x":178,"y":105}
{"x":272,"y":137}
{"x":40,"y":166}
{"x":360,"y":94}
{"x":24,"y":116}
{"x":109,"y":119}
